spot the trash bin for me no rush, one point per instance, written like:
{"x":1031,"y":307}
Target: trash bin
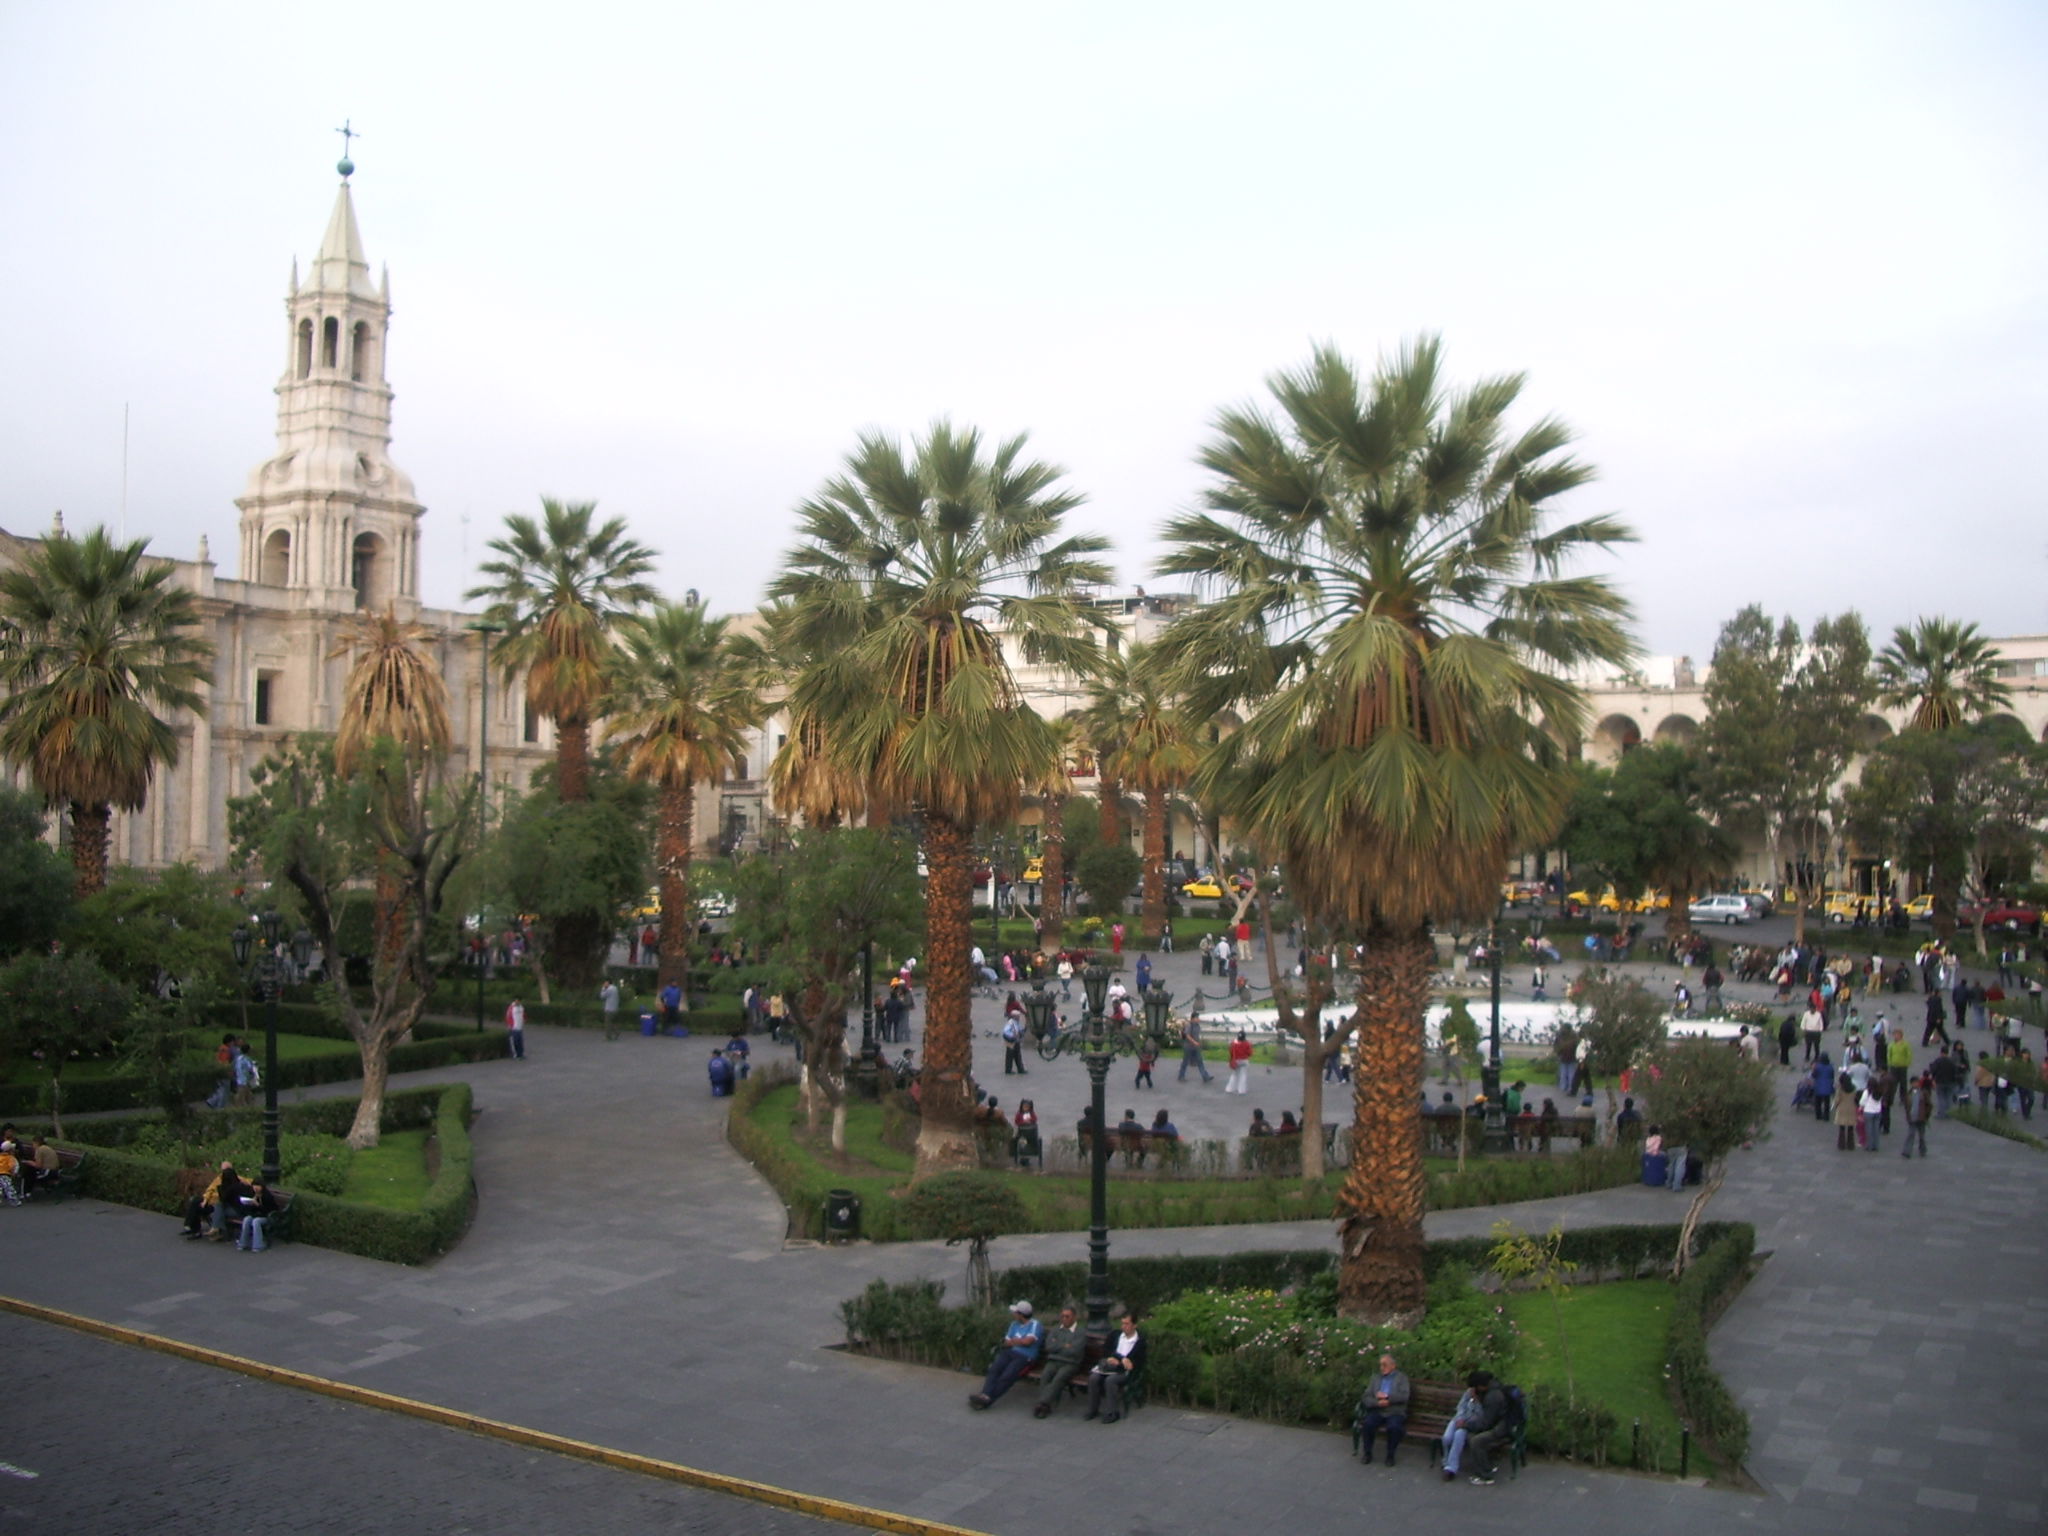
{"x":1656,"y":1169}
{"x":646,"y":1023}
{"x":842,"y":1215}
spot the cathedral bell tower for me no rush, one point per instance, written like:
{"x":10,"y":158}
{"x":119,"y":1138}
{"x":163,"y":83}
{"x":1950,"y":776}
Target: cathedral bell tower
{"x":329,"y":515}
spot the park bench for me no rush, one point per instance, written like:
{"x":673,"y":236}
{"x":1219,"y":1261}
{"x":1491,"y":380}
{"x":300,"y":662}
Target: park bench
{"x":280,"y":1228}
{"x":1430,"y":1406}
{"x":65,"y":1180}
{"x":1077,"y":1384}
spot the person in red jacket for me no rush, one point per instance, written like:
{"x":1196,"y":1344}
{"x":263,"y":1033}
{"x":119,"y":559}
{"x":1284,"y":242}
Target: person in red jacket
{"x":1240,"y":1065}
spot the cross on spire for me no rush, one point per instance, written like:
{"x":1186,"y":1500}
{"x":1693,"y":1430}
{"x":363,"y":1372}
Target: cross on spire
{"x":347,"y":167}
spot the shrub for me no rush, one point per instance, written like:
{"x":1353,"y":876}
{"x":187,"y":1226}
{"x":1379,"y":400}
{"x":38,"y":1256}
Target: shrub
{"x":1503,"y":1181}
{"x":1708,"y":1284}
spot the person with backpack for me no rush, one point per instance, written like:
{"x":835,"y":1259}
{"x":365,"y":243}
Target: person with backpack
{"x":1499,"y":1417}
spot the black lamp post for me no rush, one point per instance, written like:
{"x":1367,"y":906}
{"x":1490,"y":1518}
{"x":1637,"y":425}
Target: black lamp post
{"x":263,"y":973}
{"x":1495,"y":1135}
{"x":1158,"y":1015}
{"x":1097,"y":1052}
{"x":867,"y":1070}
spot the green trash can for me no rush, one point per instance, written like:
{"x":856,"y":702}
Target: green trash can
{"x":842,"y":1216}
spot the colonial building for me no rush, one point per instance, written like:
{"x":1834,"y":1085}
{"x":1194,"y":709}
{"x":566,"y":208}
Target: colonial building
{"x":329,"y":527}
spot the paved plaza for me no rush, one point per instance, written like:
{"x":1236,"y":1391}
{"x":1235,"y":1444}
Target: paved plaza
{"x":627,"y":1283}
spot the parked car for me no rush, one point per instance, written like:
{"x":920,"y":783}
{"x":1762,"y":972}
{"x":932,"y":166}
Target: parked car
{"x":2015,"y":916}
{"x":1761,"y":901}
{"x":1729,"y":907}
{"x":1921,"y":908}
{"x":1202,"y":890}
{"x":1034,"y":871}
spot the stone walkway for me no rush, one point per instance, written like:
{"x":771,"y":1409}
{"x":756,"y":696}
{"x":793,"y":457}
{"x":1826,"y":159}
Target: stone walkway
{"x":627,"y":1282}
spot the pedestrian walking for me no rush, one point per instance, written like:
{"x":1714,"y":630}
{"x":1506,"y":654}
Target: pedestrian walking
{"x":515,"y":1029}
{"x":1919,"y":1105}
{"x":608,"y":1005}
{"x":1240,"y":1065}
{"x":1191,"y":1047}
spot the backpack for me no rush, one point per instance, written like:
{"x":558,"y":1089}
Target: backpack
{"x":1517,"y":1416}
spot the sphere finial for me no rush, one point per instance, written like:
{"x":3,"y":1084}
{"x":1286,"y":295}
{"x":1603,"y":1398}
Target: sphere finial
{"x":346,"y":167}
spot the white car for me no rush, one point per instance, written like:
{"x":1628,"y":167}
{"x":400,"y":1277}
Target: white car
{"x":1720,"y":909}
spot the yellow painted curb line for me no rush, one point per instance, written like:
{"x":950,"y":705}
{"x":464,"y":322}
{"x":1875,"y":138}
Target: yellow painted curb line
{"x":513,"y":1434}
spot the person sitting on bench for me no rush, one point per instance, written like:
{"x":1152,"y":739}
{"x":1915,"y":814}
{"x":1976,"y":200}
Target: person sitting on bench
{"x":1064,"y":1346}
{"x":1384,"y":1406}
{"x":1019,"y":1349}
{"x":223,"y":1195}
{"x":1124,"y":1358}
{"x":257,"y":1207}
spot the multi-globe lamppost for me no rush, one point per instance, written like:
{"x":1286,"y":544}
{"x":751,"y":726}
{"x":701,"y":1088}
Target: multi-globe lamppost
{"x":1098,"y":1048}
{"x":264,"y":973}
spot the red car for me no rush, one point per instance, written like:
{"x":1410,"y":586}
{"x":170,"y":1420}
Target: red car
{"x":1997,"y":913}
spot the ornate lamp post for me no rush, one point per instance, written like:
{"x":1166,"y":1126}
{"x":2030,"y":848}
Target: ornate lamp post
{"x":262,"y":970}
{"x":1158,"y":1015}
{"x":1496,"y":1133}
{"x":1096,"y":1054}
{"x":867,"y":1070}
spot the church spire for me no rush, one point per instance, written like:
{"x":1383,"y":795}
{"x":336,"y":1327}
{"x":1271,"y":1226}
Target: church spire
{"x":329,"y":512}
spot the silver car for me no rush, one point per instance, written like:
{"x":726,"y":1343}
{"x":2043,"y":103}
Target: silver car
{"x":1719,"y":909}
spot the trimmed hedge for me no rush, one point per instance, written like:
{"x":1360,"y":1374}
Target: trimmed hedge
{"x":433,"y":1045}
{"x":1708,"y":1284}
{"x":1504,"y":1181}
{"x":326,"y":1221}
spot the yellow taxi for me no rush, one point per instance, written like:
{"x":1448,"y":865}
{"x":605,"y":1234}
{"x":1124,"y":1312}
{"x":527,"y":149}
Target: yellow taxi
{"x":1034,"y":871}
{"x":1205,"y":889}
{"x":1921,"y":907}
{"x":1840,"y":906}
{"x":1606,"y":902}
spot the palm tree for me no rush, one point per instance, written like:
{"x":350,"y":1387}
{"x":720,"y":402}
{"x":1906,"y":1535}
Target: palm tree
{"x":1943,"y":671}
{"x":1052,"y":788}
{"x":558,"y":587}
{"x":913,"y":569}
{"x":394,"y":698}
{"x":1946,"y":674}
{"x":1399,"y":625}
{"x":1133,"y":705}
{"x":95,"y":646}
{"x":682,"y":705}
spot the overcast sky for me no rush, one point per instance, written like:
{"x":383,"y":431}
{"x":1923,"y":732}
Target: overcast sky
{"x":1780,"y":264}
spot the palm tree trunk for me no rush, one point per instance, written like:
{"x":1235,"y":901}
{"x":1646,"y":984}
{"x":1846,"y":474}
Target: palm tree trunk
{"x":945,"y":1139}
{"x":572,"y":758}
{"x":1380,"y":1278}
{"x":672,"y":864}
{"x":90,"y":826}
{"x":1052,"y":895}
{"x":1110,"y":809}
{"x":1154,"y":917}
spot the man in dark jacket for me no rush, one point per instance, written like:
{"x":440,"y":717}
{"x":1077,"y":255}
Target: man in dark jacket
{"x":1489,"y":1427}
{"x":1064,"y":1346}
{"x":1384,"y":1406}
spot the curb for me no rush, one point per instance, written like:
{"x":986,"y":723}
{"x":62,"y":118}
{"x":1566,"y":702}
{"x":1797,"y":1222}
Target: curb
{"x":512,"y":1434}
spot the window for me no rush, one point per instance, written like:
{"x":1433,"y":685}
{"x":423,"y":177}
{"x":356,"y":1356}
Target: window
{"x":359,"y":351}
{"x":330,"y":341}
{"x":277,"y":558}
{"x":305,"y":347}
{"x":530,"y":731}
{"x":264,"y":693}
{"x":366,"y":570}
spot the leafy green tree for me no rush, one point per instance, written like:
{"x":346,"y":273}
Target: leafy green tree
{"x":35,"y":879}
{"x":1641,"y":823}
{"x":913,"y":570}
{"x":1710,"y":1100}
{"x":1946,"y":674}
{"x":1053,"y":787}
{"x":1538,"y":1261}
{"x":805,"y":911}
{"x":968,"y":1207}
{"x":1396,"y":617}
{"x":1623,"y":1025}
{"x":1784,"y":717}
{"x":1107,"y":871}
{"x":322,"y":834}
{"x":558,"y":586}
{"x":161,"y":932}
{"x":683,"y":702}
{"x":95,"y":647}
{"x":56,"y":1006}
{"x":572,"y":866}
{"x":1960,"y":804}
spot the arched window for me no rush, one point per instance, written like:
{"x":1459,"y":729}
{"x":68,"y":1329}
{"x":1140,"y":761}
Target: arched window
{"x":277,"y":559}
{"x":305,"y":347}
{"x":330,"y":341}
{"x":366,"y":570}
{"x":359,"y":351}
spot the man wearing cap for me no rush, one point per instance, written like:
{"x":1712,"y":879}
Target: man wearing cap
{"x":1019,"y":1349}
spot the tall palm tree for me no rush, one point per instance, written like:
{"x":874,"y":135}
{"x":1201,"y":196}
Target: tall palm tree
{"x":1053,"y":787}
{"x":1942,"y":670}
{"x":1132,"y":703}
{"x":393,"y":693}
{"x":95,"y":647}
{"x":682,"y":704}
{"x":912,"y":570}
{"x":1946,"y":674}
{"x":1399,"y":625}
{"x":558,"y":586}
{"x":394,"y":697}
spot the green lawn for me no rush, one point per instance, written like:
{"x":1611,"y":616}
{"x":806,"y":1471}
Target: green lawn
{"x":199,"y":1054}
{"x":392,"y":1174}
{"x":1616,"y":1338}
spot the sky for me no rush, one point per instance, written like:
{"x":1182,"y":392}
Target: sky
{"x":1778,"y":264}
